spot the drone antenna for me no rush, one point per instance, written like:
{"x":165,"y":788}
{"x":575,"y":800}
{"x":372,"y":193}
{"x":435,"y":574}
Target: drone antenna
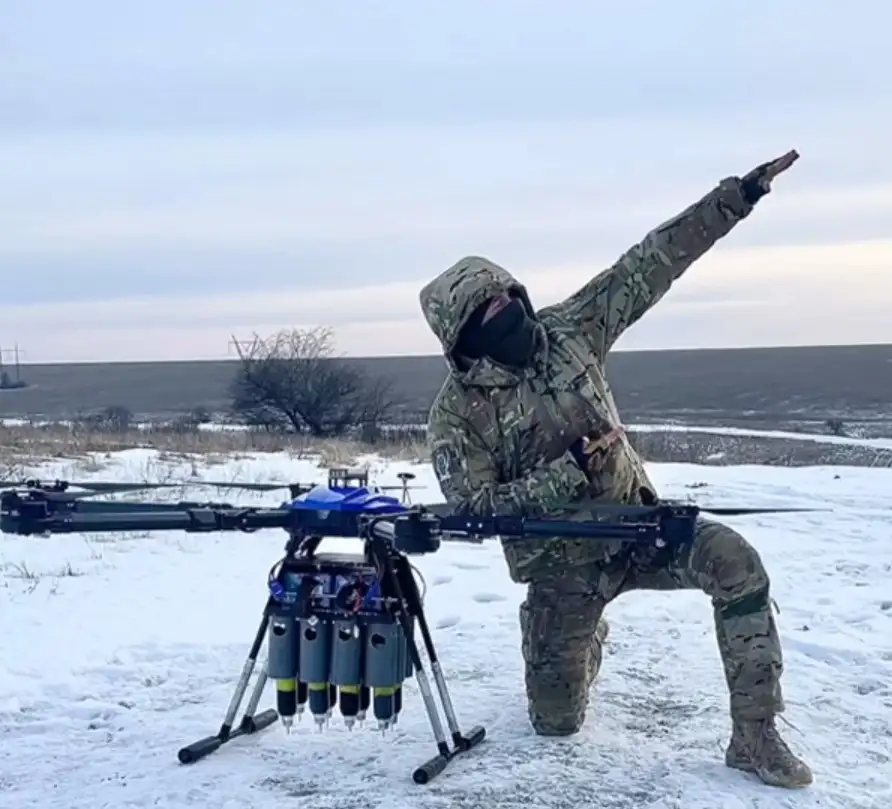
{"x":404,"y":478}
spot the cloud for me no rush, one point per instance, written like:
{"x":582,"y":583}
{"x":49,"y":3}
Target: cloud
{"x":740,"y":296}
{"x":176,"y":172}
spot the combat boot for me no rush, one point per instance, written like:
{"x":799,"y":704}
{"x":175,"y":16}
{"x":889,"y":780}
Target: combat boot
{"x":757,"y":747}
{"x":596,"y":650}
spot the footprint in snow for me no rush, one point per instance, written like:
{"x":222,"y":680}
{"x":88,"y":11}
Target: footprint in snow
{"x":469,"y":566}
{"x":437,"y":580}
{"x":447,"y":621}
{"x":488,"y":598}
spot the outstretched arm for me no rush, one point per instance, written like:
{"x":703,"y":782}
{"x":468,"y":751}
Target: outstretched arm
{"x":612,"y":301}
{"x":468,"y":477}
{"x":616,"y":298}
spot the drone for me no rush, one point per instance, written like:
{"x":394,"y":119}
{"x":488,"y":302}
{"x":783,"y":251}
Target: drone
{"x":342,"y":631}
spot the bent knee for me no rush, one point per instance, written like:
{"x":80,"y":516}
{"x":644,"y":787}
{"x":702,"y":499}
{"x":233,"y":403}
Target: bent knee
{"x":727,"y":565}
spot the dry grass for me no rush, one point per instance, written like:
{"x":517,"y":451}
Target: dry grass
{"x":718,"y":449}
{"x":27,"y":444}
{"x":24,"y":446}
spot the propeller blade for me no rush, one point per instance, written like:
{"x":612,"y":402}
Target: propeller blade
{"x":93,"y":486}
{"x":116,"y":488}
{"x":250,"y":487}
{"x":395,"y":487}
{"x":738,"y":512}
{"x":270,"y":487}
{"x":25,"y":484}
{"x":63,"y":496}
{"x":445,"y":510}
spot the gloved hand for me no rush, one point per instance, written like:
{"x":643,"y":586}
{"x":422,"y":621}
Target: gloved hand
{"x":590,"y":453}
{"x":757,"y":183}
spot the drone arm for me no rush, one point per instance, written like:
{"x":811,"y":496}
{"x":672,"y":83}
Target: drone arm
{"x":645,"y":528}
{"x":134,"y":521}
{"x":35,"y":518}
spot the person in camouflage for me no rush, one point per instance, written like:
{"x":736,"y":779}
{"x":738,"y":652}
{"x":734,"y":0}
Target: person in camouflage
{"x":526,"y":424}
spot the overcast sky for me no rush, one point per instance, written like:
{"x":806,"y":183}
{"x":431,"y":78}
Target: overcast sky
{"x":175,"y":172}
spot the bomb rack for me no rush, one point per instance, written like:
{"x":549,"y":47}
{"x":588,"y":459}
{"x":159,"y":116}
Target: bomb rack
{"x":342,"y":632}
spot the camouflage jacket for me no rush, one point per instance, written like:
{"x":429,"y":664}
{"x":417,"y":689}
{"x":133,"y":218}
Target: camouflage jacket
{"x":499,"y":439}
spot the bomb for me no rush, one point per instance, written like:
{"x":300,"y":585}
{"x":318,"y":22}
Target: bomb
{"x":283,"y":652}
{"x":346,"y":667}
{"x":315,"y":664}
{"x":384,"y":669}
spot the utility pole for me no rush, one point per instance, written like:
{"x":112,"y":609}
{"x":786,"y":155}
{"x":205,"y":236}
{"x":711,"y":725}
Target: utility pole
{"x":6,"y":381}
{"x":246,"y":349}
{"x":239,"y":346}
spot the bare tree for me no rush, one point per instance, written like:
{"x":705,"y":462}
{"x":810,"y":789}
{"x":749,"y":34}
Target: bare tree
{"x":293,"y":381}
{"x":377,"y":404}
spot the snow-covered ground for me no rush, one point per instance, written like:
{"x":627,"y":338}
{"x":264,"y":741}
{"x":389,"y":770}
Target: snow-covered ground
{"x":874,"y":443}
{"x":115,"y":650}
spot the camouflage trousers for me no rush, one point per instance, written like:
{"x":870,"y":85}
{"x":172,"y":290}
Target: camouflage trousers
{"x":559,"y":618}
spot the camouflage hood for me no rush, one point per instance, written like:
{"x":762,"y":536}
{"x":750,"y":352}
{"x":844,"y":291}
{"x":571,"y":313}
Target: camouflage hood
{"x":451,"y":298}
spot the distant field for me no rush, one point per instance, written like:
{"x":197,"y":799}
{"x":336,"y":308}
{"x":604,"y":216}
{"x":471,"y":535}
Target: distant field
{"x":755,"y":387}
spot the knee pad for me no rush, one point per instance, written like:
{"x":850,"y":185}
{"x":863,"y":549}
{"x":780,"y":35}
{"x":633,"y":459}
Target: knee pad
{"x":729,"y":567}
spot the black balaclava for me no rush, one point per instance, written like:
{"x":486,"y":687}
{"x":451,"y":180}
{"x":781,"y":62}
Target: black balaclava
{"x":508,"y":337}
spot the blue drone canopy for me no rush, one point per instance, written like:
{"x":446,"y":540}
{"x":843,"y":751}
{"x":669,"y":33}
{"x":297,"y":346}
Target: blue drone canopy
{"x":354,"y":500}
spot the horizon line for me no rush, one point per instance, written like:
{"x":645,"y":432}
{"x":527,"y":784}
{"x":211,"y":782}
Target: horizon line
{"x":364,"y":358}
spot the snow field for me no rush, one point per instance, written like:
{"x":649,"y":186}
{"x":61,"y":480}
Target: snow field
{"x":115,"y":650}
